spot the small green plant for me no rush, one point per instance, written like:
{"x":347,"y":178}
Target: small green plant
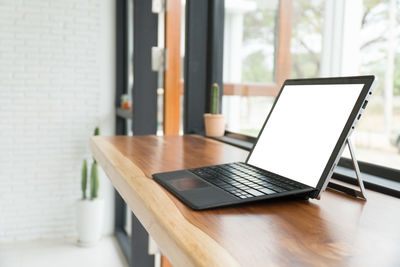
{"x":96,"y":131}
{"x":84,"y":179}
{"x":94,"y":176}
{"x":214,"y":99}
{"x":94,"y":181}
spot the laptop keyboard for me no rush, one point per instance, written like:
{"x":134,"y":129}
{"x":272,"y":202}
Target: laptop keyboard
{"x":245,"y":181}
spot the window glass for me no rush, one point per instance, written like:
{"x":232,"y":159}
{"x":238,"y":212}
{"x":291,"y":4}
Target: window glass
{"x":249,"y":57}
{"x":306,"y":42}
{"x":250,"y":47}
{"x":249,"y":40}
{"x":183,"y":39}
{"x":377,"y":137}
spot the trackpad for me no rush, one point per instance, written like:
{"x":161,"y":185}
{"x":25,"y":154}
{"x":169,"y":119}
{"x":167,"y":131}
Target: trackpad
{"x":187,"y":183}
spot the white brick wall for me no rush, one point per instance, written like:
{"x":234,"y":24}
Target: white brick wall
{"x":51,"y":98}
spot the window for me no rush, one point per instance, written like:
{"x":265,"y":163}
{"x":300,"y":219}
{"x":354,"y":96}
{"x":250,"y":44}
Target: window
{"x":249,"y":41}
{"x":249,"y":58}
{"x":266,"y":42}
{"x":260,"y":39}
{"x":326,"y":38}
{"x":377,"y":137}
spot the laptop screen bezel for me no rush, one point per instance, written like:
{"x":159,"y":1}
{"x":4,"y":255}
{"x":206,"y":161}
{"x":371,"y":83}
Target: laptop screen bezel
{"x":367,"y":82}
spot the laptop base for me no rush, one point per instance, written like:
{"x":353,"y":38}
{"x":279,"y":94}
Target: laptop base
{"x":202,"y":193}
{"x":348,"y":190}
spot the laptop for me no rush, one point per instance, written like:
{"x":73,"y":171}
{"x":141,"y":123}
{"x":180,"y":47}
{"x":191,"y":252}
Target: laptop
{"x":296,"y":150}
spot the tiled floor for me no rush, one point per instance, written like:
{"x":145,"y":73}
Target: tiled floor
{"x":60,"y":253}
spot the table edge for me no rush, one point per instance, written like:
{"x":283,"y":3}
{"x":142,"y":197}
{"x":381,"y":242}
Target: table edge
{"x":191,"y":249}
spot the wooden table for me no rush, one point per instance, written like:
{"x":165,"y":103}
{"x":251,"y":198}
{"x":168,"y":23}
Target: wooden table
{"x":336,"y":230}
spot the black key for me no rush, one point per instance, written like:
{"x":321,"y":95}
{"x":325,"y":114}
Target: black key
{"x":288,"y":187}
{"x":255,"y":192}
{"x":265,"y":184}
{"x":278,"y":189}
{"x":267,"y":191}
{"x":209,"y":176}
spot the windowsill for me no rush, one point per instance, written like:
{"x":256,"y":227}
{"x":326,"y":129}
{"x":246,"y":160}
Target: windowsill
{"x":371,"y":182}
{"x":344,"y":174}
{"x":246,"y":145}
{"x":124,"y":113}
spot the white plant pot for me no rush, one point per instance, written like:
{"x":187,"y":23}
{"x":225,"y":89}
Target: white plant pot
{"x":89,"y":221}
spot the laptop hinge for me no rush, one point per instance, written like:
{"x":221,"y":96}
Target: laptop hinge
{"x":348,"y":190}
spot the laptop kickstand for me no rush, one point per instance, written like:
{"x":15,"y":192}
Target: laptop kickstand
{"x":347,"y":190}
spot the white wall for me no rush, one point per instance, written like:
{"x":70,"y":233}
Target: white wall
{"x":56,"y":84}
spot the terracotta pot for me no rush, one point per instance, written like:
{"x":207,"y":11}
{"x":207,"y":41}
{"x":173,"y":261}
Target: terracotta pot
{"x":215,"y":124}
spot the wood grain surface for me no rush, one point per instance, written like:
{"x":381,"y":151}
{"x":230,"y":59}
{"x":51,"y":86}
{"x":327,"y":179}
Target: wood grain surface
{"x":335,"y":231}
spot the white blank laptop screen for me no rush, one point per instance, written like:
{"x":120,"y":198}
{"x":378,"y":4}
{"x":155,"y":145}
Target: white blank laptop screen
{"x":303,"y":129}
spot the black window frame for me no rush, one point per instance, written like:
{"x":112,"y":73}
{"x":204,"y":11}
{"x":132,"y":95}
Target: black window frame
{"x":203,"y":59}
{"x":143,"y":115}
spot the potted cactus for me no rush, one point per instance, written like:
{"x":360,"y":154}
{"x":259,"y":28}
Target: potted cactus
{"x":90,"y":208}
{"x":214,"y":121}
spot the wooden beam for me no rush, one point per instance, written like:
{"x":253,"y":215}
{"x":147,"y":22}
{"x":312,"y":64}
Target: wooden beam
{"x":283,"y":63}
{"x":246,"y":89}
{"x":172,"y":76}
{"x":165,"y":262}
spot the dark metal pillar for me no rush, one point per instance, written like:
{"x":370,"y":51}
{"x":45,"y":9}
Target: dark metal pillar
{"x":203,"y":59}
